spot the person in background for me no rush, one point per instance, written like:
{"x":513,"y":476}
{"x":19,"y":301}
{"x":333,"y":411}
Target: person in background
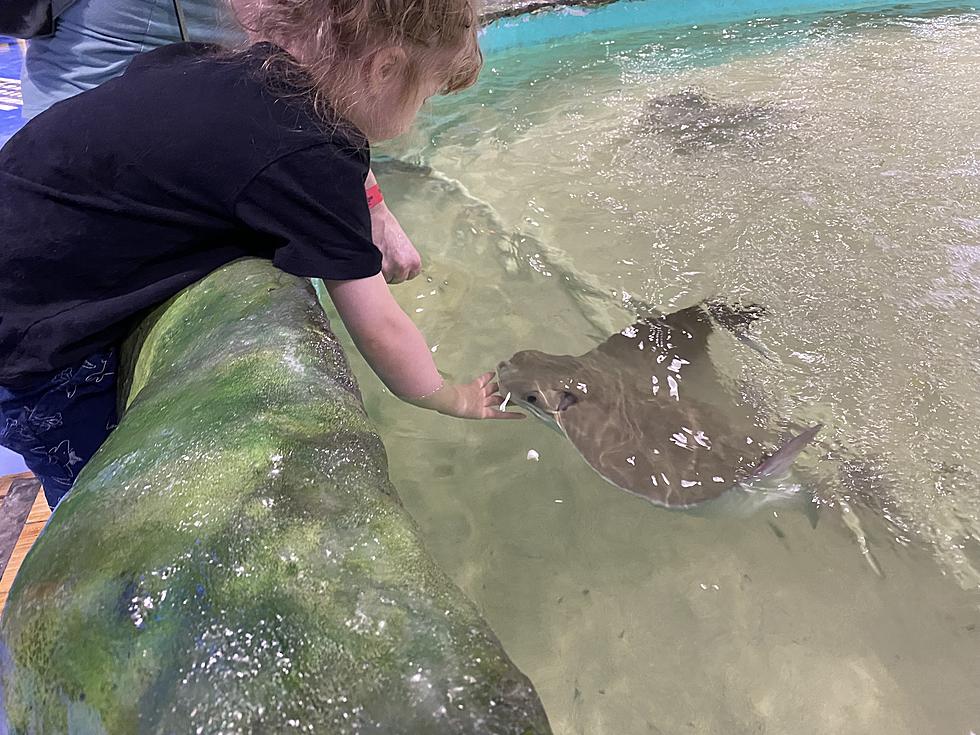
{"x":93,"y":41}
{"x":116,"y":199}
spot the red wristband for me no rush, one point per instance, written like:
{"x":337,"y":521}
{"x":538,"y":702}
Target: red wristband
{"x":374,"y":196}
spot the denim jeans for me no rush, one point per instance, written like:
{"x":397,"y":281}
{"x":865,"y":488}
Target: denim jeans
{"x":58,"y":423}
{"x":94,"y":41}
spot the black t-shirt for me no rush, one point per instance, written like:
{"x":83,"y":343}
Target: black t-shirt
{"x":113,"y":201}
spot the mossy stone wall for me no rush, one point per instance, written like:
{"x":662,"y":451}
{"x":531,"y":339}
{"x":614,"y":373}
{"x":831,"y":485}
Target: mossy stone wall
{"x":235,"y":559}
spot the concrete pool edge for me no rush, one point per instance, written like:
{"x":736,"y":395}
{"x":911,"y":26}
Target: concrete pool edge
{"x":562,"y":20}
{"x":240,"y":400}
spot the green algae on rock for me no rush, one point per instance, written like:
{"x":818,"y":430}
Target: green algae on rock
{"x":235,"y":560}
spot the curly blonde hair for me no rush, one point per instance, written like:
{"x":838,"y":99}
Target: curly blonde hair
{"x":328,"y":39}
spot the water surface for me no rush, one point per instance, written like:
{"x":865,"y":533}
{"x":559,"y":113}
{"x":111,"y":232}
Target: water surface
{"x":831,"y":170}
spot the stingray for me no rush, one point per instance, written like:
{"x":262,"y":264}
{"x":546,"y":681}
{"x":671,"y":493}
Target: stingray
{"x":697,"y":121}
{"x":648,"y":410}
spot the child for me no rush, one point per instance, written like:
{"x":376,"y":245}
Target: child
{"x":115,"y":200}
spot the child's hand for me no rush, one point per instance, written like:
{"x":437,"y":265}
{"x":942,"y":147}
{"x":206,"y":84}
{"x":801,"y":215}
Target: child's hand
{"x":476,"y":400}
{"x":400,"y":260}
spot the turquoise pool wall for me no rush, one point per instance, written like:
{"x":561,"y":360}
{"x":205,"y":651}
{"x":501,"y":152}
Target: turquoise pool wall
{"x":546,"y":26}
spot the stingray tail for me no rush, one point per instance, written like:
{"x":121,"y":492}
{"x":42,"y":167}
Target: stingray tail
{"x":737,"y":320}
{"x":734,"y":318}
{"x":752,"y":497}
{"x":782,"y":459}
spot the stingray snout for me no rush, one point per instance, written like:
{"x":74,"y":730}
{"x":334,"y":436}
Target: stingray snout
{"x":503,"y":371}
{"x":512,"y":368}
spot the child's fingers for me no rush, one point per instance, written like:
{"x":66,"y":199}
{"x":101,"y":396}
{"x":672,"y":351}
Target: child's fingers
{"x":493,"y":399}
{"x":484,"y":379}
{"x":491,"y":389}
{"x":492,"y":409}
{"x":496,"y":413}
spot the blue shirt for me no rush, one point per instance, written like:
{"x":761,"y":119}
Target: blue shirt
{"x":95,"y":40}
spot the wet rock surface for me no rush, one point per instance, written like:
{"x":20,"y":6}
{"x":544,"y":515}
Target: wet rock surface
{"x":495,"y":9}
{"x":235,"y":559}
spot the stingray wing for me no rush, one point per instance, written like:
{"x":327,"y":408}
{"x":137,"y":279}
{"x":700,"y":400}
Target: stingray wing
{"x":664,"y":445}
{"x":670,"y":464}
{"x":642,"y":418}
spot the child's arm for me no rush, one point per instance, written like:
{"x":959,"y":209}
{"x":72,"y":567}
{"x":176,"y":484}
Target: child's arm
{"x":397,"y":352}
{"x":402,"y":261}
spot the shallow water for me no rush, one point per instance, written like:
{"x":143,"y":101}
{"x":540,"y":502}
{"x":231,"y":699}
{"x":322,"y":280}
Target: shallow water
{"x":828,"y":168}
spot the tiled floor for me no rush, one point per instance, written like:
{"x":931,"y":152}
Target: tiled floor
{"x":23,"y":513}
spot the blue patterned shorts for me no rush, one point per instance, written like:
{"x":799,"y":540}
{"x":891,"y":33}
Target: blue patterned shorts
{"x":58,"y":423}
